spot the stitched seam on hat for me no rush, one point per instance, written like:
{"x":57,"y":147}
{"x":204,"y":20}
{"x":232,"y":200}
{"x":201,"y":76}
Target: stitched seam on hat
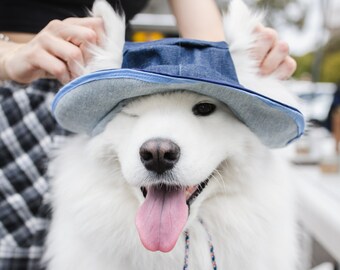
{"x":180,"y":50}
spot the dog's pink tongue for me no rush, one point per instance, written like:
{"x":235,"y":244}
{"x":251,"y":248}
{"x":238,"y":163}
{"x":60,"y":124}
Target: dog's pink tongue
{"x":161,"y":218}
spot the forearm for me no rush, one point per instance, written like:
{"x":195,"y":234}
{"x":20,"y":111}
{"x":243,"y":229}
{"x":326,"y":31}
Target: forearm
{"x":198,"y":19}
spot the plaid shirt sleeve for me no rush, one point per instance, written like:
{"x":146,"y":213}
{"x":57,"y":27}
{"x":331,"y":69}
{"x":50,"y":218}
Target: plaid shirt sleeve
{"x":28,"y":132}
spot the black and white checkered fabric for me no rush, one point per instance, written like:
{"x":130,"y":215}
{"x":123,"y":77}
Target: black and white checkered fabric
{"x":28,"y":133}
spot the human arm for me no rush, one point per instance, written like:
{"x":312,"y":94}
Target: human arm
{"x":198,"y":19}
{"x":55,"y":52}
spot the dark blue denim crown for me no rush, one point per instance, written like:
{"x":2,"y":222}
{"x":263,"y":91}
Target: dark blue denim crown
{"x":194,"y":59}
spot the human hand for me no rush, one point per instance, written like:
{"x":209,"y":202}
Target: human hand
{"x":58,"y":51}
{"x":273,"y":54}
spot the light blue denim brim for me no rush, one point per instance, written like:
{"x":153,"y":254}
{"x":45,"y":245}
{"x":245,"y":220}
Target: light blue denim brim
{"x":88,"y":103}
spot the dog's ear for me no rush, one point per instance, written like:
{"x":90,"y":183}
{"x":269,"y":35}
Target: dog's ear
{"x":109,"y":54}
{"x":239,"y":25}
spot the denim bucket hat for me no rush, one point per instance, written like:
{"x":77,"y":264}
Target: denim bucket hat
{"x":88,"y":103}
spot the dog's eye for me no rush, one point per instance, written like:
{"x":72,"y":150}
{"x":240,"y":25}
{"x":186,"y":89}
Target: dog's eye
{"x":129,"y":114}
{"x":203,"y":109}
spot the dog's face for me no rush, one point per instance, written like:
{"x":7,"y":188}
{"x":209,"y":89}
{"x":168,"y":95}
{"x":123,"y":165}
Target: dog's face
{"x":169,"y":146}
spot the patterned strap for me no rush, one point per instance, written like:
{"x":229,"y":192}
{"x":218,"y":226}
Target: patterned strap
{"x":187,"y":244}
{"x":186,"y":254}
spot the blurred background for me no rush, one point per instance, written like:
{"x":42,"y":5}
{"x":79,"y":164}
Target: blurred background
{"x":312,"y":30}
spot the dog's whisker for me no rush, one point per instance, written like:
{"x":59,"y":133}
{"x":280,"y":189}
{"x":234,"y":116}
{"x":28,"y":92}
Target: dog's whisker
{"x":220,"y":177}
{"x":219,"y":182}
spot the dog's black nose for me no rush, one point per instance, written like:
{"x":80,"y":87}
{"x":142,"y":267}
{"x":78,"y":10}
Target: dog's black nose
{"x":159,"y":155}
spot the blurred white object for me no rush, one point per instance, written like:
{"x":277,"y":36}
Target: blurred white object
{"x":329,"y":162}
{"x":319,"y":207}
{"x":324,"y":266}
{"x":154,"y":22}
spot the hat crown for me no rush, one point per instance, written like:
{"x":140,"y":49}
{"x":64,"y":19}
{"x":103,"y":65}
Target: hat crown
{"x":185,"y":58}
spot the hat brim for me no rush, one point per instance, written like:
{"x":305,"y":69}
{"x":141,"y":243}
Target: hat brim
{"x":88,"y":103}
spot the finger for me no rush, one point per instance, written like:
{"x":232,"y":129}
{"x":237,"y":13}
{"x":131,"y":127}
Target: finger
{"x":286,"y":69}
{"x":266,"y":38}
{"x":274,"y":58}
{"x":48,"y":65}
{"x":68,"y":53}
{"x":76,"y":34}
{"x":94,"y":23}
{"x":82,"y":37}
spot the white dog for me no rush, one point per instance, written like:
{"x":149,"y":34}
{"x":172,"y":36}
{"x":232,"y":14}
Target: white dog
{"x":109,"y":191}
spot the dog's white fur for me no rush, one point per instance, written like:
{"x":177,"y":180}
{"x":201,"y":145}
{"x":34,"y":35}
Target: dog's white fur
{"x":247,"y":206}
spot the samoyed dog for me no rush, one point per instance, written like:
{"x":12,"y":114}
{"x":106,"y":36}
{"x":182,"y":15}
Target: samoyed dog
{"x":175,"y":180}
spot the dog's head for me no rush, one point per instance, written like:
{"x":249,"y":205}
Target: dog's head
{"x":169,"y":148}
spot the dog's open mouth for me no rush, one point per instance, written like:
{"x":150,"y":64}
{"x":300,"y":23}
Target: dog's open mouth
{"x":164,"y":213}
{"x":191,"y":192}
